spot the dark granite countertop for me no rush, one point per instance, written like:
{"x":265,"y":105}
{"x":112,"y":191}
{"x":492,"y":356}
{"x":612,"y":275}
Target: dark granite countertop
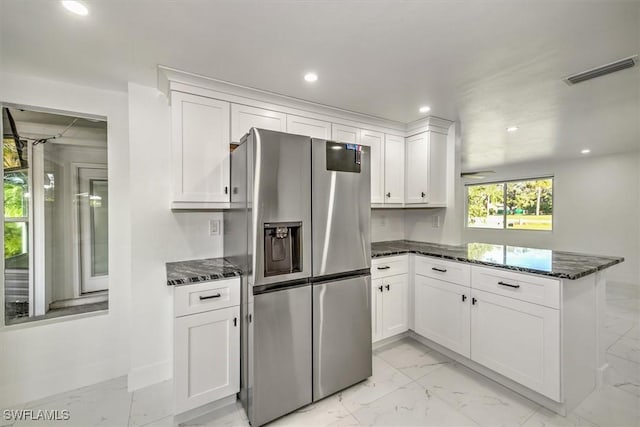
{"x":546,"y":262}
{"x":200,"y":270}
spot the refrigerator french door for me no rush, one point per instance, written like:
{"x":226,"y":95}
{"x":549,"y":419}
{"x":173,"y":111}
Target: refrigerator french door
{"x":340,"y":203}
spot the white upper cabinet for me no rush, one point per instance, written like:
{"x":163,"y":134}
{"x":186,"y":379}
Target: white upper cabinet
{"x":375,"y":140}
{"x":347,"y":134}
{"x":393,"y":169}
{"x":309,"y":127}
{"x":426,"y":173}
{"x":243,"y":118}
{"x":200,"y":142}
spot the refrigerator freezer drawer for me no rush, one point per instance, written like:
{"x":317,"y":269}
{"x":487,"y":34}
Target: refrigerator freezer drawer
{"x":341,"y":334}
{"x":281,"y":353}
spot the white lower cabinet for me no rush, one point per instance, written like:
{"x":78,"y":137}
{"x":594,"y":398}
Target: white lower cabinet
{"x":206,"y":354}
{"x":517,"y":339}
{"x":442,"y":313}
{"x":389,"y":306}
{"x":507,"y":334}
{"x":389,"y":296}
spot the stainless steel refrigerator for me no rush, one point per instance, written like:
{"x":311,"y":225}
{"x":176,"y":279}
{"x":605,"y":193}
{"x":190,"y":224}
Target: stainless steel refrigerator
{"x":299,"y":226}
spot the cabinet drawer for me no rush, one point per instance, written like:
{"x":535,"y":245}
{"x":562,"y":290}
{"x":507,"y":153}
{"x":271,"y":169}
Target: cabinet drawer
{"x":200,"y":297}
{"x":538,"y":290}
{"x":450,"y":271}
{"x":389,"y":266}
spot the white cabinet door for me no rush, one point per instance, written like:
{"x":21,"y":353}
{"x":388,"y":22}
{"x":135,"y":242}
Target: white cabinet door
{"x":207,"y":357}
{"x":393,"y":169}
{"x":243,"y":118}
{"x":375,"y":140}
{"x":417,"y":179}
{"x":376,"y":309}
{"x":200,"y":141}
{"x":426,"y":174}
{"x":346,"y":134}
{"x":442,"y":312}
{"x":394,"y":305}
{"x":309,"y":127}
{"x":437,"y":169}
{"x":517,"y":339}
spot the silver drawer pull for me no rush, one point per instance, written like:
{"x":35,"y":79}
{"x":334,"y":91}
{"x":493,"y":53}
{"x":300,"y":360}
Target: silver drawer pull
{"x":509,"y":285}
{"x":386,"y":267}
{"x":210,"y":296}
{"x":441,"y":270}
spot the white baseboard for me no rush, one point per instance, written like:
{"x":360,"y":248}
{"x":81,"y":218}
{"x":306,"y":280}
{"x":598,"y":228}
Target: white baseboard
{"x":552,"y":405}
{"x":148,"y":375}
{"x":203,"y":410}
{"x":378,"y":344}
{"x":61,"y":381}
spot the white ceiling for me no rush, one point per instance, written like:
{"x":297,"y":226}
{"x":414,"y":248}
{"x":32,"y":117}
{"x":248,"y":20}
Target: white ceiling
{"x":489,"y":64}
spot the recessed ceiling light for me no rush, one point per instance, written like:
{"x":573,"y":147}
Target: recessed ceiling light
{"x":75,"y":7}
{"x":424,"y":109}
{"x":585,"y":151}
{"x":512,"y":128}
{"x":311,"y":77}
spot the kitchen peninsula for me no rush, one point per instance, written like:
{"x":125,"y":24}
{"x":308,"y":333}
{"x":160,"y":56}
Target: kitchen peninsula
{"x":527,"y":318}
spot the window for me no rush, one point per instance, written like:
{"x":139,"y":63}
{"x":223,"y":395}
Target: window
{"x":55,"y":215}
{"x":514,"y":205}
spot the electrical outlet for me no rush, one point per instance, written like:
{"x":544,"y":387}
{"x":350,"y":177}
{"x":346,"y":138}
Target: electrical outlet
{"x":214,"y":227}
{"x":435,"y":221}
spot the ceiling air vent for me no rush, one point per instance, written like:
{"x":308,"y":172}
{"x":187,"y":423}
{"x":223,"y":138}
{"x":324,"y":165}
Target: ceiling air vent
{"x":622,"y":64}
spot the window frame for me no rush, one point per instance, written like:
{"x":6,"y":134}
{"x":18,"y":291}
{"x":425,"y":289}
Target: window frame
{"x":504,"y":182}
{"x":35,"y":184}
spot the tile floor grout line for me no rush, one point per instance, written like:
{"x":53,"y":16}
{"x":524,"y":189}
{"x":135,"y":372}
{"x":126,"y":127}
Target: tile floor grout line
{"x":448,"y":404}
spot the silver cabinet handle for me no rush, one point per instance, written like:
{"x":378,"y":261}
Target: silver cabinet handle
{"x":210,"y":296}
{"x":386,"y":267}
{"x":441,"y":270}
{"x":508,"y":285}
{"x":388,"y":194}
{"x":423,"y":194}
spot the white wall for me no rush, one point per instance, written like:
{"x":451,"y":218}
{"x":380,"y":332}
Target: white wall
{"x":158,"y":236}
{"x":38,"y":360}
{"x":387,"y":224}
{"x":61,"y":212}
{"x":419,"y":222}
{"x":596,"y":210}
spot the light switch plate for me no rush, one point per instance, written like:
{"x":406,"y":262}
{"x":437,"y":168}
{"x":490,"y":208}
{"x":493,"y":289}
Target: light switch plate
{"x":214,"y":227}
{"x":435,"y":221}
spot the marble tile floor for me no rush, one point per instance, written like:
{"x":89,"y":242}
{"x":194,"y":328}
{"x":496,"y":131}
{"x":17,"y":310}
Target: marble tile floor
{"x":411,"y":385}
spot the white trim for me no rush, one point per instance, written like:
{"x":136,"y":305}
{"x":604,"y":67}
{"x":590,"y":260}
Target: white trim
{"x":2,"y":319}
{"x":31,"y":233}
{"x":171,"y":79}
{"x":145,"y":376}
{"x":37,"y":230}
{"x":428,"y":124}
{"x":75,"y":223}
{"x":53,"y":320}
{"x":558,"y":407}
